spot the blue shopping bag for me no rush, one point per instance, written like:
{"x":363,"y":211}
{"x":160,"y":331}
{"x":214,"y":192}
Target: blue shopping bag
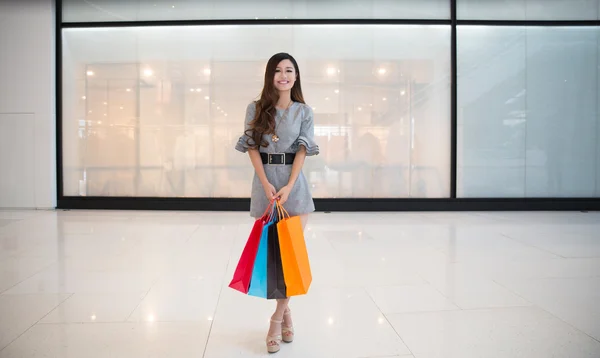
{"x":258,"y":283}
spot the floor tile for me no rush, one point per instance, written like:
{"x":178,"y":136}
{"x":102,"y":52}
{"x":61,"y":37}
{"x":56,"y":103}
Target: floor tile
{"x":57,"y":281}
{"x":115,"y":340}
{"x":85,"y":283}
{"x":469,"y":288}
{"x":323,"y":320}
{"x":410,"y":298}
{"x":180,"y":298}
{"x":492,"y":333}
{"x":90,"y":308}
{"x":578,"y":244}
{"x":574,"y":300}
{"x":19,"y":313}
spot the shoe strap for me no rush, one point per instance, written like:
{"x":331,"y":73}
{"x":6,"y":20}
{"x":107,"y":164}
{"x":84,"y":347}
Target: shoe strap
{"x":275,"y":339}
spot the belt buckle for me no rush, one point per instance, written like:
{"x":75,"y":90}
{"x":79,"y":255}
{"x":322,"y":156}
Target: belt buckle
{"x":278,"y":154}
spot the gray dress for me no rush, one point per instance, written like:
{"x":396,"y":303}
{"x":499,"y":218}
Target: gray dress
{"x":293,"y":130}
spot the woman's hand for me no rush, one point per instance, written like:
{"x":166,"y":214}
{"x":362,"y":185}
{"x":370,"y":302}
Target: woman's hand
{"x":283,"y":194}
{"x":270,"y":191}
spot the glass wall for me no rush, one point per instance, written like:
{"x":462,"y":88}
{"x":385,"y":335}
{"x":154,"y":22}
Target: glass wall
{"x":528,"y":112}
{"x":527,"y":9}
{"x":147,"y":10}
{"x":156,"y":111}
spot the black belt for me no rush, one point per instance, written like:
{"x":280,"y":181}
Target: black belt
{"x":278,"y":158}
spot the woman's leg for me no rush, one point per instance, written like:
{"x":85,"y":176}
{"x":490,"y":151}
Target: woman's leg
{"x":304,"y":219}
{"x":283,"y":306}
{"x":287,"y":318}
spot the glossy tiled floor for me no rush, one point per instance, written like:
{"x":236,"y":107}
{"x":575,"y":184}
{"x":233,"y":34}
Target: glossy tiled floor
{"x":154,"y":284}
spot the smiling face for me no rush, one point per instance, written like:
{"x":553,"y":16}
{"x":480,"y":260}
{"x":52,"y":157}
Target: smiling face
{"x":285,"y":76}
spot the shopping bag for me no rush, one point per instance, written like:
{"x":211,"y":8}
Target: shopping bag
{"x":243,"y":272}
{"x":275,"y":280}
{"x":258,"y":282}
{"x":294,"y":256}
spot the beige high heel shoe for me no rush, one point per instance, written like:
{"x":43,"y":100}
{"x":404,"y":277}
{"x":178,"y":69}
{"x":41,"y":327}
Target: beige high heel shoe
{"x":287,"y":333}
{"x":274,"y":341}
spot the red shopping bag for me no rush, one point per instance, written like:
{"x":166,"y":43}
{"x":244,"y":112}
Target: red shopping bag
{"x":243,"y":272}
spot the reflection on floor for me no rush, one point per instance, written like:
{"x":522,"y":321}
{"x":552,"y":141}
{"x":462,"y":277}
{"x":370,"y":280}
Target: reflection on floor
{"x":448,"y":285}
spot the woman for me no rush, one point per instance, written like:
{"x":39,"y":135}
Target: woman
{"x":279,"y":134}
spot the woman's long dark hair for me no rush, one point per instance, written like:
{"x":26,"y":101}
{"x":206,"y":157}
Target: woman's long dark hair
{"x":264,"y":117}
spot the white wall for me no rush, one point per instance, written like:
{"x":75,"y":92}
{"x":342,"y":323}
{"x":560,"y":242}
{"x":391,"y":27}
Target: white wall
{"x":27,"y":104}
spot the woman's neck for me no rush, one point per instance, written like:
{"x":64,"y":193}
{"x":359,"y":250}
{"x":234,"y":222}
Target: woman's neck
{"x":285,"y":99}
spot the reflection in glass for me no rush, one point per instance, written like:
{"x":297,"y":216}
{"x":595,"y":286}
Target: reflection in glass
{"x":527,"y":9}
{"x":528,"y":118}
{"x":145,"y":10}
{"x":166,"y":105}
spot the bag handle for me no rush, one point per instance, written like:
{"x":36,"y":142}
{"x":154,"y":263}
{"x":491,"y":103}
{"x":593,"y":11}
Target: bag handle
{"x":269,"y":210}
{"x":282,"y":212}
{"x":279,"y":212}
{"x":274,"y":214}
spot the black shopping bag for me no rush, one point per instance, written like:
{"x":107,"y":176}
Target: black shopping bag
{"x":275,"y":280}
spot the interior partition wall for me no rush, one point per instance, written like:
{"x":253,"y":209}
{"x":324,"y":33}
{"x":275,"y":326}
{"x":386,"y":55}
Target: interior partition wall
{"x":419,"y":105}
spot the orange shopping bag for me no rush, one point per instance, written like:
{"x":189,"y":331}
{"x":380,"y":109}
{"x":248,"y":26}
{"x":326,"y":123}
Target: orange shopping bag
{"x":294,"y":257}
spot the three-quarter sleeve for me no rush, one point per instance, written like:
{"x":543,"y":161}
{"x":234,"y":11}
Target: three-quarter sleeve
{"x":307,"y":132}
{"x":242,"y":143}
